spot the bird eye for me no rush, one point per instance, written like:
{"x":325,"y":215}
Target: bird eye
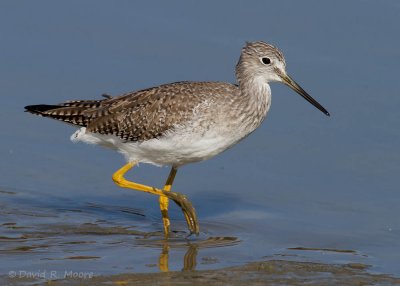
{"x":266,"y":61}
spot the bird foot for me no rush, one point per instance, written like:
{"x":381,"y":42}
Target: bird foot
{"x":187,"y":208}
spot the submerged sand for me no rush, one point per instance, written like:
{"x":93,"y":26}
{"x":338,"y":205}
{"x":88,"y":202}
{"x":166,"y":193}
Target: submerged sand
{"x":275,"y":272}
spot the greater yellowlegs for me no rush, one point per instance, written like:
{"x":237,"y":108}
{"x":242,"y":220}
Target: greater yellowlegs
{"x":179,"y":123}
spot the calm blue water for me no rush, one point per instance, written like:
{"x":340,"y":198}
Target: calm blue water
{"x":301,"y":180}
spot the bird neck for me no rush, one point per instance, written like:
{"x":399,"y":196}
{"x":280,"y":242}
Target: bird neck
{"x":253,"y":86}
{"x":257,"y":93}
{"x":254,"y":102}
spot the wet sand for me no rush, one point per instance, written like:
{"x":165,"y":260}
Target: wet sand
{"x":275,"y":272}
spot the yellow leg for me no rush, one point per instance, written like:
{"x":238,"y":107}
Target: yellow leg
{"x":118,"y":178}
{"x":164,"y":202}
{"x":181,"y":200}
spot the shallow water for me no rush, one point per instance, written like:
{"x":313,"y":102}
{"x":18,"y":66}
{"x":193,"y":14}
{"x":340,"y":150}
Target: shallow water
{"x":49,"y":238}
{"x":302,"y":188}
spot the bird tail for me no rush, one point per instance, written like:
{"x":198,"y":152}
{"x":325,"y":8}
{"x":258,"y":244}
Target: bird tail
{"x":40,"y":109}
{"x":68,"y":112}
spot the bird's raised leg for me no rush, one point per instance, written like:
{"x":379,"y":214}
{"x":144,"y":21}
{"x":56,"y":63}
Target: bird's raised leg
{"x":181,"y":200}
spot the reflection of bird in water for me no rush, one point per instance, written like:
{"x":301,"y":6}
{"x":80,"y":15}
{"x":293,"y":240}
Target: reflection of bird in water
{"x":189,"y":260}
{"x":179,"y":243}
{"x":179,"y":123}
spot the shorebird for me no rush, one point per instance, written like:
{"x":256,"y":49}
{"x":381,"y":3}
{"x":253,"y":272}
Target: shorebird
{"x":179,"y":123}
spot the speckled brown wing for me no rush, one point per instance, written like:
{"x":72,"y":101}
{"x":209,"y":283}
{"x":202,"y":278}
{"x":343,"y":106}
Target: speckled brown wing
{"x":140,"y":115}
{"x":149,"y":113}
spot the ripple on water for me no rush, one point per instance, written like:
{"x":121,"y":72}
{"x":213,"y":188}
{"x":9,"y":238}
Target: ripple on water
{"x":61,"y":230}
{"x":115,"y":239}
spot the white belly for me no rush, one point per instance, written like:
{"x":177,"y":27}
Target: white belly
{"x":174,"y":149}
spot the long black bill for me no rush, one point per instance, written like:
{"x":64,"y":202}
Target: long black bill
{"x":297,"y":88}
